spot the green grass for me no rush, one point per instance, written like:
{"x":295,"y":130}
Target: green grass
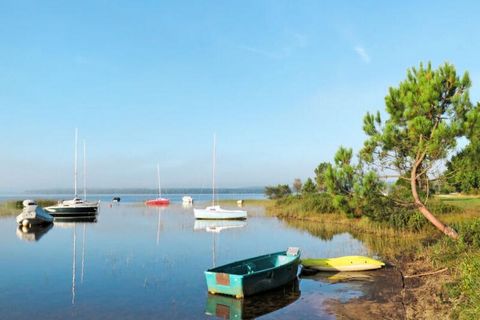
{"x":464,"y":203}
{"x":253,"y":202}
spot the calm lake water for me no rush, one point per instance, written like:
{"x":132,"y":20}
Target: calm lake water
{"x":136,"y":262}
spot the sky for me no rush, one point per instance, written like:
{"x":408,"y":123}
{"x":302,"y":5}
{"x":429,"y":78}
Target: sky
{"x":282,"y":84}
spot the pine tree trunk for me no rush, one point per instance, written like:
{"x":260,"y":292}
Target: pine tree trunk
{"x":424,"y":210}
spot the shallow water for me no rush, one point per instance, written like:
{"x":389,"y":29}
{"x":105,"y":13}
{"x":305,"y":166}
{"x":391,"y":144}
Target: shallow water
{"x":138,"y":262}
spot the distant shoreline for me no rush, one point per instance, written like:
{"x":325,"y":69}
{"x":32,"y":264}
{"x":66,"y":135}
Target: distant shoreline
{"x":140,"y":191}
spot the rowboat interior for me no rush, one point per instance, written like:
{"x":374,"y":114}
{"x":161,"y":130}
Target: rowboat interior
{"x":255,"y":265}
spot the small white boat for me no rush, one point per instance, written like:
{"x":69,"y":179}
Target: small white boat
{"x":187,"y":200}
{"x":33,"y":215}
{"x":215,"y":211}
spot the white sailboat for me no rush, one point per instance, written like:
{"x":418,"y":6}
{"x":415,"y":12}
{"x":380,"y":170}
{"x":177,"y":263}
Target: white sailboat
{"x":76,"y":207}
{"x":214,"y":211}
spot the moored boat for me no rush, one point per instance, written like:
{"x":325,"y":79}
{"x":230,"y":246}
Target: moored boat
{"x":76,"y":207}
{"x":215,"y":211}
{"x":218,"y":213}
{"x":347,"y":263}
{"x":160,"y":201}
{"x":187,"y":200}
{"x":33,"y":215}
{"x":73,"y":208}
{"x":157,"y":202}
{"x":247,"y":277}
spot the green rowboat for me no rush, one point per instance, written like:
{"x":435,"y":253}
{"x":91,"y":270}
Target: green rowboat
{"x":247,"y":277}
{"x":347,"y":263}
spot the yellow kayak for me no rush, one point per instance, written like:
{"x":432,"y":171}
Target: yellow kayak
{"x":347,"y":263}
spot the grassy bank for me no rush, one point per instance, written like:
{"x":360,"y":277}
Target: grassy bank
{"x":247,"y":202}
{"x":452,"y":294}
{"x":14,"y":207}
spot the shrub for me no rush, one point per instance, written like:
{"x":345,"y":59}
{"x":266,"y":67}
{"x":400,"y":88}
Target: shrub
{"x":469,"y":232}
{"x":318,"y":203}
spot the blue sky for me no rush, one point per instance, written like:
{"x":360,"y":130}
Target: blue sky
{"x":282,"y":83}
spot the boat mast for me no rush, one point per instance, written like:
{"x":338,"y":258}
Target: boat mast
{"x":75,"y":172}
{"x":158,"y":179}
{"x":213,"y":171}
{"x":84,"y":171}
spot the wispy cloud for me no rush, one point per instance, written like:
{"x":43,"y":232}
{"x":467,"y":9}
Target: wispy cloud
{"x":296,"y":41}
{"x":362,"y":53}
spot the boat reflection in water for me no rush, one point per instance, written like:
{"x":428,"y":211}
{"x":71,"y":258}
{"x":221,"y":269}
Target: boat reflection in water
{"x":338,"y":277}
{"x":159,"y":223}
{"x":215,"y":227}
{"x":33,"y":233}
{"x":72,"y":223}
{"x":227,"y":307}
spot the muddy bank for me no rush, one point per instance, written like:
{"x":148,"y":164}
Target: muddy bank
{"x":381,"y":294}
{"x":392,"y":293}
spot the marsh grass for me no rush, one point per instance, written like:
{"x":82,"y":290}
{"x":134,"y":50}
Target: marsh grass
{"x":381,"y":240}
{"x":14,"y":207}
{"x":247,"y":202}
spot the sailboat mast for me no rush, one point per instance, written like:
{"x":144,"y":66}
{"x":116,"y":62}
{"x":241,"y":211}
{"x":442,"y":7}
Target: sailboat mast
{"x":75,"y":171}
{"x":158,"y":179}
{"x":84,"y":171}
{"x":213,"y":170}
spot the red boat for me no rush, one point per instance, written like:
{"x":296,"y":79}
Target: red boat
{"x":157,"y":202}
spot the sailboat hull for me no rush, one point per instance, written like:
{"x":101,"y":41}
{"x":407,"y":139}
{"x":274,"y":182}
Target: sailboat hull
{"x":217,"y":213}
{"x":73,"y":210}
{"x":157,"y":202}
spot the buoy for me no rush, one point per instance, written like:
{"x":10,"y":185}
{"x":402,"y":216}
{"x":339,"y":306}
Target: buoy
{"x":25,"y":223}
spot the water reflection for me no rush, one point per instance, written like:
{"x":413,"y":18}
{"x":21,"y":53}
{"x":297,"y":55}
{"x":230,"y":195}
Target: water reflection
{"x":97,"y":271}
{"x":215,"y":227}
{"x":72,"y":223}
{"x":33,"y":233}
{"x":159,"y":223}
{"x":338,"y":277}
{"x":381,"y":242}
{"x":252,"y":307}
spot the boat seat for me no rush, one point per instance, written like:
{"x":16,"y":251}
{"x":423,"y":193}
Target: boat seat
{"x":251,"y":267}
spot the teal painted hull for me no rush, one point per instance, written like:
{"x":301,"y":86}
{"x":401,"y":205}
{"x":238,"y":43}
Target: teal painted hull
{"x":251,"y":276}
